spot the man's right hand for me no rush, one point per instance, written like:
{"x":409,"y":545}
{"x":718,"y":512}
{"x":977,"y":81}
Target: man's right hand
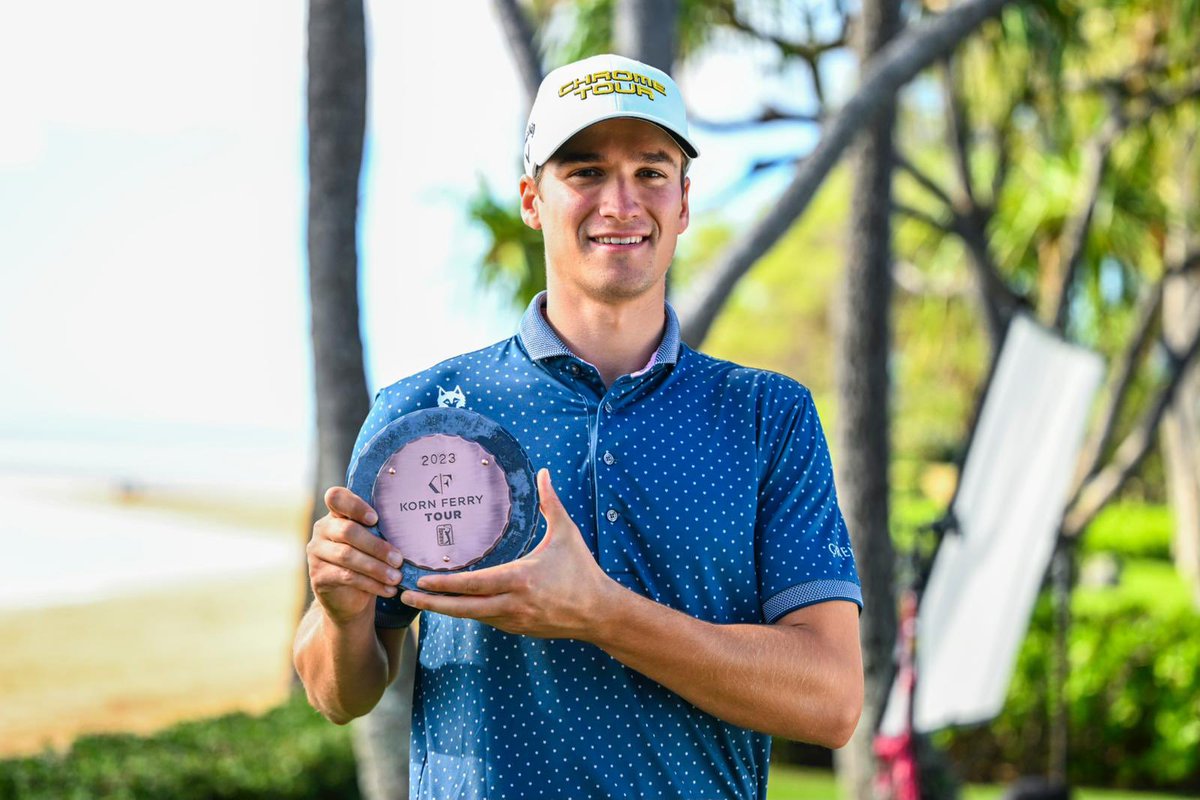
{"x":348,"y":565}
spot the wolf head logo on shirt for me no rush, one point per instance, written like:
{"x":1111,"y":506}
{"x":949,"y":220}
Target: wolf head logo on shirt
{"x":455,"y":399}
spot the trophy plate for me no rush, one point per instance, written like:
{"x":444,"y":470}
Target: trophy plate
{"x":454,"y":492}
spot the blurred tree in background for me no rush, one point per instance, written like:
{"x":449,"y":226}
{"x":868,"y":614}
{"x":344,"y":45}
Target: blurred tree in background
{"x":337,"y":112}
{"x":1060,"y":174}
{"x":1047,"y":164}
{"x":1059,"y":169}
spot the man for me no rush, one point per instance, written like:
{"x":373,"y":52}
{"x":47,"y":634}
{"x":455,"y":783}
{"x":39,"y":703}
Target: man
{"x":693,"y":589}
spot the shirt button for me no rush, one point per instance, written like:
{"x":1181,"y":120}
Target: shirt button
{"x":573,"y":368}
{"x":608,"y":407}
{"x":609,"y":458}
{"x":612,"y":515}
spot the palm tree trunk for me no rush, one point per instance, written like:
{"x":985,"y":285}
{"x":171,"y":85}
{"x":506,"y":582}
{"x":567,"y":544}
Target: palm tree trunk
{"x":337,"y":103}
{"x":646,"y":30}
{"x":1180,"y":434}
{"x":337,"y":110}
{"x":862,"y":430}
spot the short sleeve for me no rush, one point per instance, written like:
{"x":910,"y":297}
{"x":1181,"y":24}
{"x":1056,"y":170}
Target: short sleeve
{"x":804,"y":550}
{"x":392,"y":614}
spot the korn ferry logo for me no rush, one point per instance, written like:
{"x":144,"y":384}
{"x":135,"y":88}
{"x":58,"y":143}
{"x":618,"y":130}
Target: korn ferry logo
{"x":617,"y":81}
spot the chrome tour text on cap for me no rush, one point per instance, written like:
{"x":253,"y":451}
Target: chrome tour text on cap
{"x":602,"y":87}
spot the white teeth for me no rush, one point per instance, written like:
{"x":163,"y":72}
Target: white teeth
{"x":619,"y":239}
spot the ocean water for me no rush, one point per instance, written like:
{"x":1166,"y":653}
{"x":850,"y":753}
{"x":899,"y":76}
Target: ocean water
{"x":250,"y":462}
{"x":67,"y":538}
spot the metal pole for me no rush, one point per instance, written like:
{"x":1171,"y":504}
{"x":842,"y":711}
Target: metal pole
{"x":1060,"y":577}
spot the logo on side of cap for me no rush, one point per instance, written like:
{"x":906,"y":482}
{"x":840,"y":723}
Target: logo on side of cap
{"x":528,"y":135}
{"x":612,"y":81}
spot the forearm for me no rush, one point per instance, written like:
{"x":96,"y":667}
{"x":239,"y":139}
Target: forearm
{"x":779,"y":679}
{"x":344,"y":667}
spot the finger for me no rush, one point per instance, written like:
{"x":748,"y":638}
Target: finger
{"x":351,"y":533}
{"x":491,"y":581}
{"x":481,"y":608}
{"x":327,"y":578}
{"x":342,"y":502}
{"x":362,"y":539}
{"x":343,"y":555}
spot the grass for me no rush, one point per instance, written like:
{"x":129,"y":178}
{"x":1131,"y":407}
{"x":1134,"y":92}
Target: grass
{"x":799,"y":783}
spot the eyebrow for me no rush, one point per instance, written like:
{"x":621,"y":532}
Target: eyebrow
{"x":658,"y":157}
{"x":649,"y":157}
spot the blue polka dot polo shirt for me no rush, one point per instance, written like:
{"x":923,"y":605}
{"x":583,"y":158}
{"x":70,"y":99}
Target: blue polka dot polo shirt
{"x":701,"y":484}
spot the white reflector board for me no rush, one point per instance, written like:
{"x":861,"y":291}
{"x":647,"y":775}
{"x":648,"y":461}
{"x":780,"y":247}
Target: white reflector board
{"x":1014,"y":484}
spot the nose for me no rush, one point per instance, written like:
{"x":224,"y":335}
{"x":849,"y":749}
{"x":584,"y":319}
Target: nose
{"x":618,"y":199}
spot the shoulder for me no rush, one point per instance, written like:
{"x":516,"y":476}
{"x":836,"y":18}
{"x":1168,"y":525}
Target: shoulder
{"x":453,"y":382}
{"x":450,"y":382}
{"x":769,"y":390}
{"x":775,"y":410}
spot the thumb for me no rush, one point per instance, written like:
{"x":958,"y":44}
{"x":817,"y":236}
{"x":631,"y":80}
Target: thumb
{"x":557,"y":518}
{"x":548,"y":502}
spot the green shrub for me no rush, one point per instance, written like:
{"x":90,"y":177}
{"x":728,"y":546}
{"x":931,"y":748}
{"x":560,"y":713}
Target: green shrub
{"x":290,"y":753}
{"x":1131,"y":530}
{"x":1133,"y":693}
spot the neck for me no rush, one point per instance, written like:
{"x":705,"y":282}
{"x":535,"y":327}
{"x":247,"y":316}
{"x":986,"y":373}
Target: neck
{"x":617,"y":338}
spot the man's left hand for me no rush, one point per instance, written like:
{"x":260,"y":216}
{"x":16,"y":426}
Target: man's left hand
{"x":555,"y":591}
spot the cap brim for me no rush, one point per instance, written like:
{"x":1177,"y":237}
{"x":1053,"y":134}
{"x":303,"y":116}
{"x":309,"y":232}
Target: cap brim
{"x":685,"y":144}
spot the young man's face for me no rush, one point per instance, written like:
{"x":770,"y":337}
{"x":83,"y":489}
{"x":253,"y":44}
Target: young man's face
{"x":610,"y":204}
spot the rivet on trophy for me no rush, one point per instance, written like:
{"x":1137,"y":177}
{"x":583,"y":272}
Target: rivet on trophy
{"x":445,"y":558}
{"x":486,"y":462}
{"x":391,"y":470}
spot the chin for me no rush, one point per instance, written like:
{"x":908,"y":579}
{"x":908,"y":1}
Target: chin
{"x":616,"y":292}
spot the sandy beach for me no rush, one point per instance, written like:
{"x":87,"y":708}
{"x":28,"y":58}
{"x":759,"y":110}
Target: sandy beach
{"x":130,"y":611}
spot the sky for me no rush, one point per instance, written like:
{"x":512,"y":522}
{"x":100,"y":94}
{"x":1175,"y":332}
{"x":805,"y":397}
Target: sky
{"x":153,"y":294}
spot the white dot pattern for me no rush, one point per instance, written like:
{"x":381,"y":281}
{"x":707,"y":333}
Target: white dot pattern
{"x":703,"y":485}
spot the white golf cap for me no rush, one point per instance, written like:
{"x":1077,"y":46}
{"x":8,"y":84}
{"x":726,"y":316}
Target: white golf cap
{"x":598,"y":88}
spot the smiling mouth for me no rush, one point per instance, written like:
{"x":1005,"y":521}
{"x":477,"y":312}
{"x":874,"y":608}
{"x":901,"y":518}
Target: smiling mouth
{"x":625,"y":241}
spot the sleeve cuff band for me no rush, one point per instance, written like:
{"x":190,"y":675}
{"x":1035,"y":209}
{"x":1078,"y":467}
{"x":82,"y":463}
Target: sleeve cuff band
{"x":805,"y":594}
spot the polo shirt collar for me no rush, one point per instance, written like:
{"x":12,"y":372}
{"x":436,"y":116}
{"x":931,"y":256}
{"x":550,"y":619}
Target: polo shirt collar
{"x":541,"y":342}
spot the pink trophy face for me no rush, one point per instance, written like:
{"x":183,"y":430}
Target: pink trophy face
{"x":442,"y":501}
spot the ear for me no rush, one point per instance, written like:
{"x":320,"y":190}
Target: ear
{"x":685,"y":213}
{"x":530,"y":214}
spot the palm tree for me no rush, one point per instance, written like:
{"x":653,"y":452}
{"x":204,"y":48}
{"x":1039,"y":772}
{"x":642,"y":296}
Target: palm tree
{"x":337,"y":110}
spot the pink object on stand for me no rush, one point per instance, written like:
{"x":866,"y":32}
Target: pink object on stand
{"x":896,"y":777}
